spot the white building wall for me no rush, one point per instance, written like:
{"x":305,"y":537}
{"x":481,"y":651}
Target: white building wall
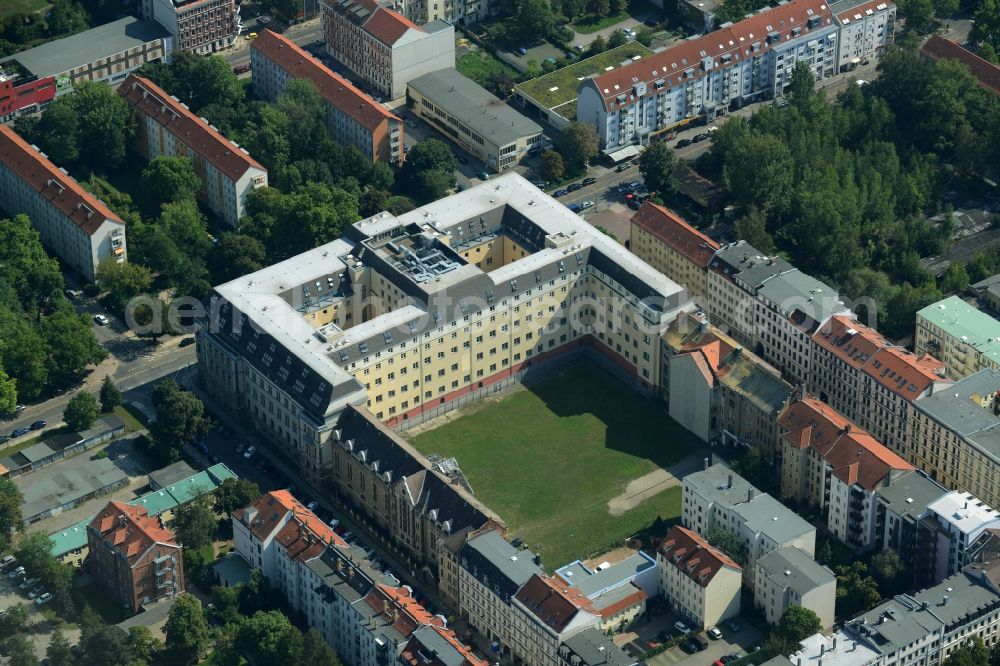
{"x":418,"y":53}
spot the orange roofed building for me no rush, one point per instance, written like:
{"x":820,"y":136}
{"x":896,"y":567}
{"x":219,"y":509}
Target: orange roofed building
{"x":669,"y":244}
{"x":831,"y":463}
{"x":133,"y":556}
{"x":700,"y":582}
{"x":352,"y":117}
{"x":547,"y":611}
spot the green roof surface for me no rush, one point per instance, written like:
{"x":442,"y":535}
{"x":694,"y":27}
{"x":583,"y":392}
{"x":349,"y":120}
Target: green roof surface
{"x":156,"y":502}
{"x":70,"y":539}
{"x":961,"y":320}
{"x":191,"y":487}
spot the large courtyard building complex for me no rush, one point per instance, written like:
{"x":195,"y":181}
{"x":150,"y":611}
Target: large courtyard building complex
{"x":735,"y":65}
{"x":75,"y":226}
{"x":474,"y":118}
{"x":167,"y":127}
{"x":202,"y":26}
{"x":352,"y":117}
{"x":384,"y":48}
{"x":409,"y":315}
{"x":964,"y":338}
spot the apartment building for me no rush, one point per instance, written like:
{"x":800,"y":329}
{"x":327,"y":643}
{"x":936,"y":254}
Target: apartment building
{"x":201,"y":26}
{"x":414,"y":314}
{"x":353,"y":118}
{"x":591,"y":647}
{"x":491,"y":571}
{"x":986,"y":73}
{"x":963,"y":528}
{"x":167,"y":127}
{"x":22,"y":92}
{"x":903,"y":520}
{"x":431,"y":645}
{"x":830,"y":463}
{"x":965,"y":339}
{"x":718,"y":498}
{"x":871,"y":381}
{"x":955,"y":435}
{"x":726,"y":69}
{"x":791,"y":577}
{"x":770,"y":306}
{"x":701,"y":583}
{"x":665,"y":241}
{"x":384,"y":48}
{"x":474,"y":118}
{"x":457,"y":12}
{"x":75,"y":226}
{"x":547,"y":612}
{"x":866,"y":29}
{"x":617,"y":592}
{"x":133,"y":557}
{"x":718,"y":390}
{"x":921,"y":629}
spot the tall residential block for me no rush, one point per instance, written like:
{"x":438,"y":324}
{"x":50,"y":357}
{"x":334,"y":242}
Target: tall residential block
{"x":383,"y":47}
{"x":167,"y":127}
{"x":75,"y":226}
{"x":202,"y":26}
{"x":133,"y":556}
{"x":353,"y":118}
{"x":963,"y":337}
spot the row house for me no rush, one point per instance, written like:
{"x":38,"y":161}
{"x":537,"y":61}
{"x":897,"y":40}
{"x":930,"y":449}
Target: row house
{"x":904,"y":524}
{"x":871,"y":381}
{"x":791,"y":577}
{"x":456,"y":12}
{"x":74,"y":225}
{"x":664,"y":240}
{"x":737,"y":64}
{"x":830,"y":463}
{"x":717,"y":498}
{"x":200,"y":26}
{"x":718,"y":390}
{"x":965,"y":338}
{"x":383,"y":47}
{"x":701,"y":583}
{"x":353,"y":118}
{"x":866,"y":28}
{"x":227,"y":173}
{"x":431,"y":645}
{"x":133,"y":557}
{"x":547,"y":612}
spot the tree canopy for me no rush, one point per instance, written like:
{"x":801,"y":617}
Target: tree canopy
{"x":180,"y":419}
{"x":657,"y":164}
{"x":10,"y":511}
{"x":170,"y":180}
{"x":186,"y":630}
{"x":81,"y":411}
{"x":579,"y":144}
{"x":194,"y":523}
{"x":233,"y":494}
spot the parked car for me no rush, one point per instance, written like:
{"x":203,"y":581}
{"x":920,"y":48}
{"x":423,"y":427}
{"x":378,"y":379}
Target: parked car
{"x":38,"y":425}
{"x":714,"y":633}
{"x":589,"y":181}
{"x":7,"y":561}
{"x":101,"y":320}
{"x":634,"y":185}
{"x":540,"y":184}
{"x":575,"y":186}
{"x":44,"y":599}
{"x":522,"y":51}
{"x":35,"y":592}
{"x":650,"y":23}
{"x":241,"y":69}
{"x":27,"y":583}
{"x":681,"y":627}
{"x":484,"y":175}
{"x":698,"y":138}
{"x":689,"y":646}
{"x":248,"y":454}
{"x":683,"y":143}
{"x":560,"y":193}
{"x":584,"y":205}
{"x":19,"y":432}
{"x":462,"y":160}
{"x":624,"y":166}
{"x":732,"y":625}
{"x":186,"y":341}
{"x":575,"y":208}
{"x":700,"y":641}
{"x":730,"y":657}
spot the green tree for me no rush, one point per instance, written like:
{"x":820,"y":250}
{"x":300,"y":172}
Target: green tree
{"x":802,"y":87}
{"x":256,"y":594}
{"x":186,"y":630}
{"x":15,"y":618}
{"x":10,"y":511}
{"x":66,"y":17}
{"x":269,"y":638}
{"x":20,"y":651}
{"x":8,"y":391}
{"x":759,"y":172}
{"x":180,"y":419}
{"x":429,"y":170}
{"x":105,"y":645}
{"x":534,"y":20}
{"x":918,"y":14}
{"x":111,"y":397}
{"x":644,"y":36}
{"x":552,"y":166}
{"x":316,"y":651}
{"x":24,"y":264}
{"x":106,"y":123}
{"x":599,"y":45}
{"x":599,"y":7}
{"x":194,"y":523}
{"x":579,"y":144}
{"x":616,"y":38}
{"x":972,"y":653}
{"x":986,"y":25}
{"x":233,"y":494}
{"x":122,"y":282}
{"x":59,"y":652}
{"x":955,"y":278}
{"x":797,"y":623}
{"x":170,"y":179}
{"x":658,"y":164}
{"x":81,"y":411}
{"x":25,"y":354}
{"x":142,"y":645}
{"x":945,"y":8}
{"x":857,"y":592}
{"x":235,"y":255}
{"x":199,"y":81}
{"x":71,"y":341}
{"x":752,"y":228}
{"x":57,"y":130}
{"x":988,"y":52}
{"x":728,"y":543}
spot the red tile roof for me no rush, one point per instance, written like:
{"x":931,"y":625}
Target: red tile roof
{"x":412,"y":654}
{"x":388,"y":26}
{"x":43,"y":176}
{"x":151,"y":100}
{"x":985,"y":72}
{"x":397,"y":607}
{"x":130,"y":530}
{"x":735,"y":41}
{"x":335,"y":89}
{"x":858,"y":12}
{"x":694,"y":556}
{"x":864,"y":349}
{"x":636,"y":596}
{"x":267,"y":513}
{"x":553,"y":601}
{"x":854,"y":456}
{"x":676,"y":233}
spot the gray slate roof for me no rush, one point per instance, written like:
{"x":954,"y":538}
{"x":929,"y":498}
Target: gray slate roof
{"x":794,"y":569}
{"x":474,"y":106}
{"x":766,"y":515}
{"x":62,"y":55}
{"x":910,"y":494}
{"x":953,"y":407}
{"x":170,"y":475}
{"x":596,"y":649}
{"x":434,"y":643}
{"x":59,"y":485}
{"x":614,"y":576}
{"x":721,"y":485}
{"x":495,"y":563}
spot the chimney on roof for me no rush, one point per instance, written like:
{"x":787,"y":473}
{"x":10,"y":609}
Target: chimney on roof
{"x":537,"y":559}
{"x":749,"y":494}
{"x":729,"y":482}
{"x":706,"y":463}
{"x":847,"y":429}
{"x":834,"y":642}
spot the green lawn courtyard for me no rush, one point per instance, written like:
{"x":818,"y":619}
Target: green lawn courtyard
{"x":548,"y":459}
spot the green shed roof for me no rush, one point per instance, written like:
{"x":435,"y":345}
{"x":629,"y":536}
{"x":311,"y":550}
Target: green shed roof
{"x":963,"y":321}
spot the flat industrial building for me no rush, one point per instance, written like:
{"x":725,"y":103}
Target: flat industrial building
{"x":48,"y":491}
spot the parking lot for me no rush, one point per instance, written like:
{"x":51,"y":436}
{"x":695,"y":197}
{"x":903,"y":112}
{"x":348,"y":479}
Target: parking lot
{"x":37,"y":630}
{"x":649,"y":633}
